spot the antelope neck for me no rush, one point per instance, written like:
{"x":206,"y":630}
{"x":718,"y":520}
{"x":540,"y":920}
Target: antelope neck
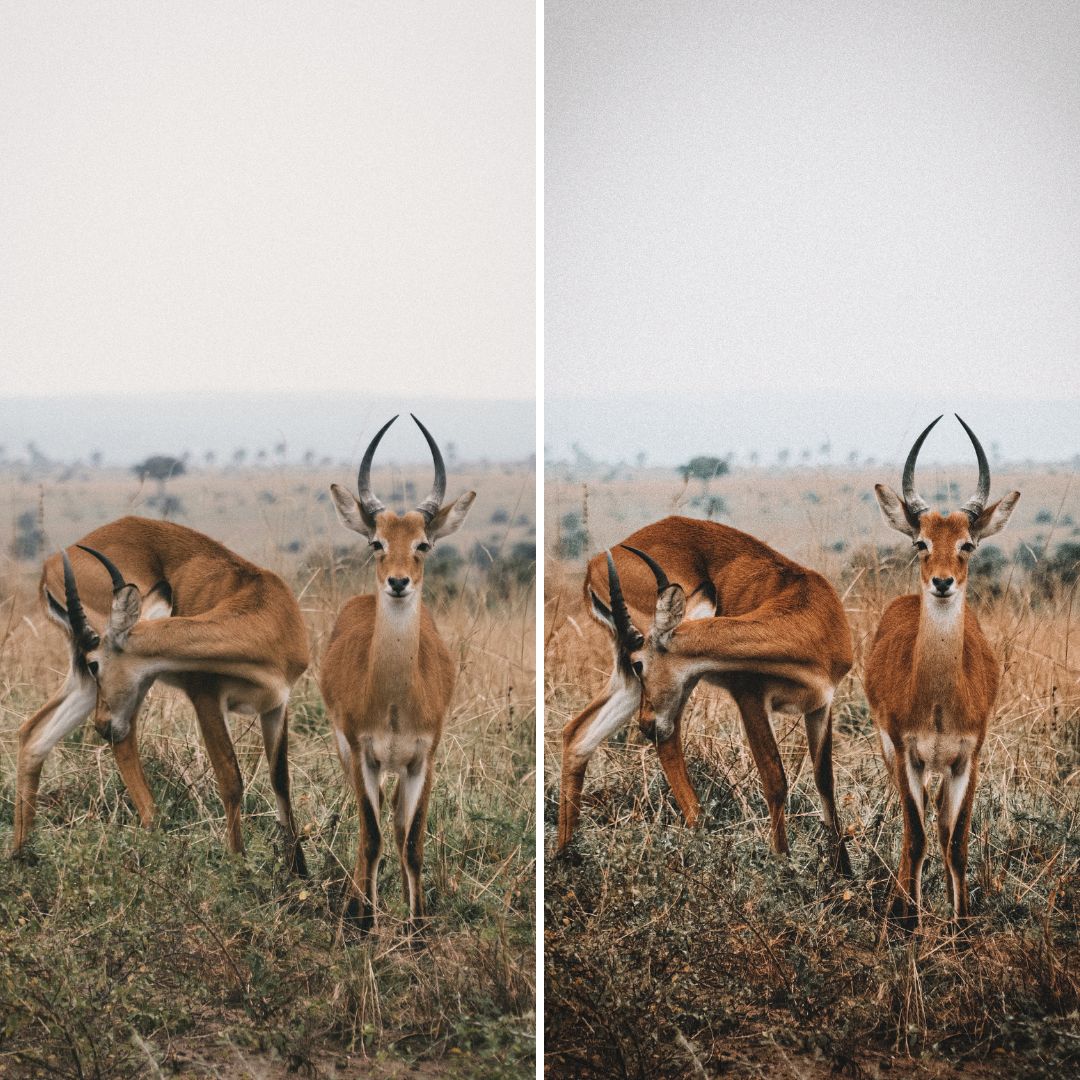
{"x":939,"y":644}
{"x":395,"y":641}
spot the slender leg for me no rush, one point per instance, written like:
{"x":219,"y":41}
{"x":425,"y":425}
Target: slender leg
{"x":910,"y":780}
{"x":954,"y":829}
{"x":759,"y":734}
{"x":215,"y":732}
{"x":126,"y":753}
{"x":365,"y":780}
{"x":603,"y":716}
{"x":410,"y":823}
{"x":673,"y":762}
{"x":64,"y":712}
{"x":819,"y":739}
{"x":275,"y":732}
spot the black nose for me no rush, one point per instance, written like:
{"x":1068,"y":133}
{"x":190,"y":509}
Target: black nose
{"x":942,"y":584}
{"x":398,"y":584}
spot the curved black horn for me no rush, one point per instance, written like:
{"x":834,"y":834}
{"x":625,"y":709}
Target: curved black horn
{"x":433,"y":503}
{"x":916,"y":504}
{"x":370,"y":504}
{"x":620,"y":613}
{"x":661,"y":578}
{"x":977,"y":503}
{"x":118,"y":581}
{"x":81,"y":630}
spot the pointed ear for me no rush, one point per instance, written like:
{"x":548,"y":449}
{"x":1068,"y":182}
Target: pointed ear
{"x":895,"y":511}
{"x":57,"y":611}
{"x":994,"y":518}
{"x":126,"y":608}
{"x":351,"y":513}
{"x":450,"y":518}
{"x":159,"y":602}
{"x":670,"y":610}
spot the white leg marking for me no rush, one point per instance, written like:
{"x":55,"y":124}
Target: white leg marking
{"x":888,"y":751}
{"x":343,"y":750}
{"x":612,"y":715}
{"x":371,"y":773}
{"x":66,"y":717}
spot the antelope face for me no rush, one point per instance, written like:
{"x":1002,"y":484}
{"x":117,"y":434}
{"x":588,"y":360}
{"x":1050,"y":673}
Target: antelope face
{"x":665,"y":677}
{"x":400,"y":545}
{"x":122,"y":677}
{"x":945,"y":543}
{"x":400,"y":542}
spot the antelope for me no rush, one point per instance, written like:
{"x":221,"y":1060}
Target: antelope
{"x":387,"y":679}
{"x":186,"y":611}
{"x":932,"y":678}
{"x":722,"y":607}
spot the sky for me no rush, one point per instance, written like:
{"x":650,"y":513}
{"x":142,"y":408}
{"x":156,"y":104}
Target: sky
{"x":320,"y":197}
{"x":811,"y":214}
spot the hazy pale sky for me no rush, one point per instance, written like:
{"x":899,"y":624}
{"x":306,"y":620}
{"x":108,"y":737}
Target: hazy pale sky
{"x":837,"y":197}
{"x":319,"y":196}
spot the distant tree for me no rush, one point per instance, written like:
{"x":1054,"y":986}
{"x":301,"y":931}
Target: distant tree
{"x":159,"y":467}
{"x":239,"y":456}
{"x":640,"y":458}
{"x":309,"y":458}
{"x":704,"y":468}
{"x":209,"y":458}
{"x":280,"y":449}
{"x":96,"y":459}
{"x":783,"y":456}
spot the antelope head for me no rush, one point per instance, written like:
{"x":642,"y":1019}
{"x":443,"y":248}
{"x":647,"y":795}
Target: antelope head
{"x":122,"y":677}
{"x":666,"y":678}
{"x":402,"y":542}
{"x":945,"y":542}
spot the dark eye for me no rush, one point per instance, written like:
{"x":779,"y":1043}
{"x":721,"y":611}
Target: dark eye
{"x":922,"y":545}
{"x":969,"y":547}
{"x":376,"y":545}
{"x":93,"y":666}
{"x":639,"y":667}
{"x":423,"y":546}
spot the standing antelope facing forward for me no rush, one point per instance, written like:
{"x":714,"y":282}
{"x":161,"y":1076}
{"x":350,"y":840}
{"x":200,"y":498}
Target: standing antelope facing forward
{"x":387,"y":678}
{"x":932,"y":678}
{"x":722,"y":607}
{"x":189,"y":612}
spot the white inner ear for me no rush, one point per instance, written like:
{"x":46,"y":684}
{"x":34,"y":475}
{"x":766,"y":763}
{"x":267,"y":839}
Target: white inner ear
{"x":893,"y":510}
{"x":450,"y":518}
{"x":348,"y":511}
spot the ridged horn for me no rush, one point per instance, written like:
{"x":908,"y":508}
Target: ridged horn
{"x":118,"y":581}
{"x":368,"y":501}
{"x":620,"y":613}
{"x":83,"y":633}
{"x":658,"y":572}
{"x":977,"y":503}
{"x":916,"y":504}
{"x":433,"y":503}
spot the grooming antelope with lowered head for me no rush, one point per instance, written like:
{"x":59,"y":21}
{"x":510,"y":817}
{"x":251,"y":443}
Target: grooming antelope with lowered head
{"x":721,"y":607}
{"x":932,"y":678}
{"x":189,"y":612}
{"x":387,"y":679}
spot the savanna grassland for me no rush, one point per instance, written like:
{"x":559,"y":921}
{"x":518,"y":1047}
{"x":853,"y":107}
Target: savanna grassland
{"x":672,"y":952}
{"x":126,"y":952}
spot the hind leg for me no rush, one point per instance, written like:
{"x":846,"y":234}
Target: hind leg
{"x":819,"y":738}
{"x":275,"y":731}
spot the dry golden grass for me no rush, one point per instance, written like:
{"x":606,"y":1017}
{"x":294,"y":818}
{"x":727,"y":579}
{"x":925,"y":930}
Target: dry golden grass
{"x":668,"y":950}
{"x":124,"y":952}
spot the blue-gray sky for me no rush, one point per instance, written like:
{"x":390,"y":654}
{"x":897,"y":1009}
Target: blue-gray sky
{"x":831,"y":200}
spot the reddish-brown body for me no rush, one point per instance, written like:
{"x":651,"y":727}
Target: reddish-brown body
{"x":223,"y":630}
{"x":387,"y":679}
{"x":931,"y":680}
{"x":757,"y":624}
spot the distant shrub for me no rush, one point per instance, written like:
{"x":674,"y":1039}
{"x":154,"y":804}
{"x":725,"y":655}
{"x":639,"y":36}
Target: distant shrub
{"x":1044,"y":517}
{"x":704,"y":467}
{"x":573,"y":539}
{"x":500,"y":517}
{"x":29,"y":539}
